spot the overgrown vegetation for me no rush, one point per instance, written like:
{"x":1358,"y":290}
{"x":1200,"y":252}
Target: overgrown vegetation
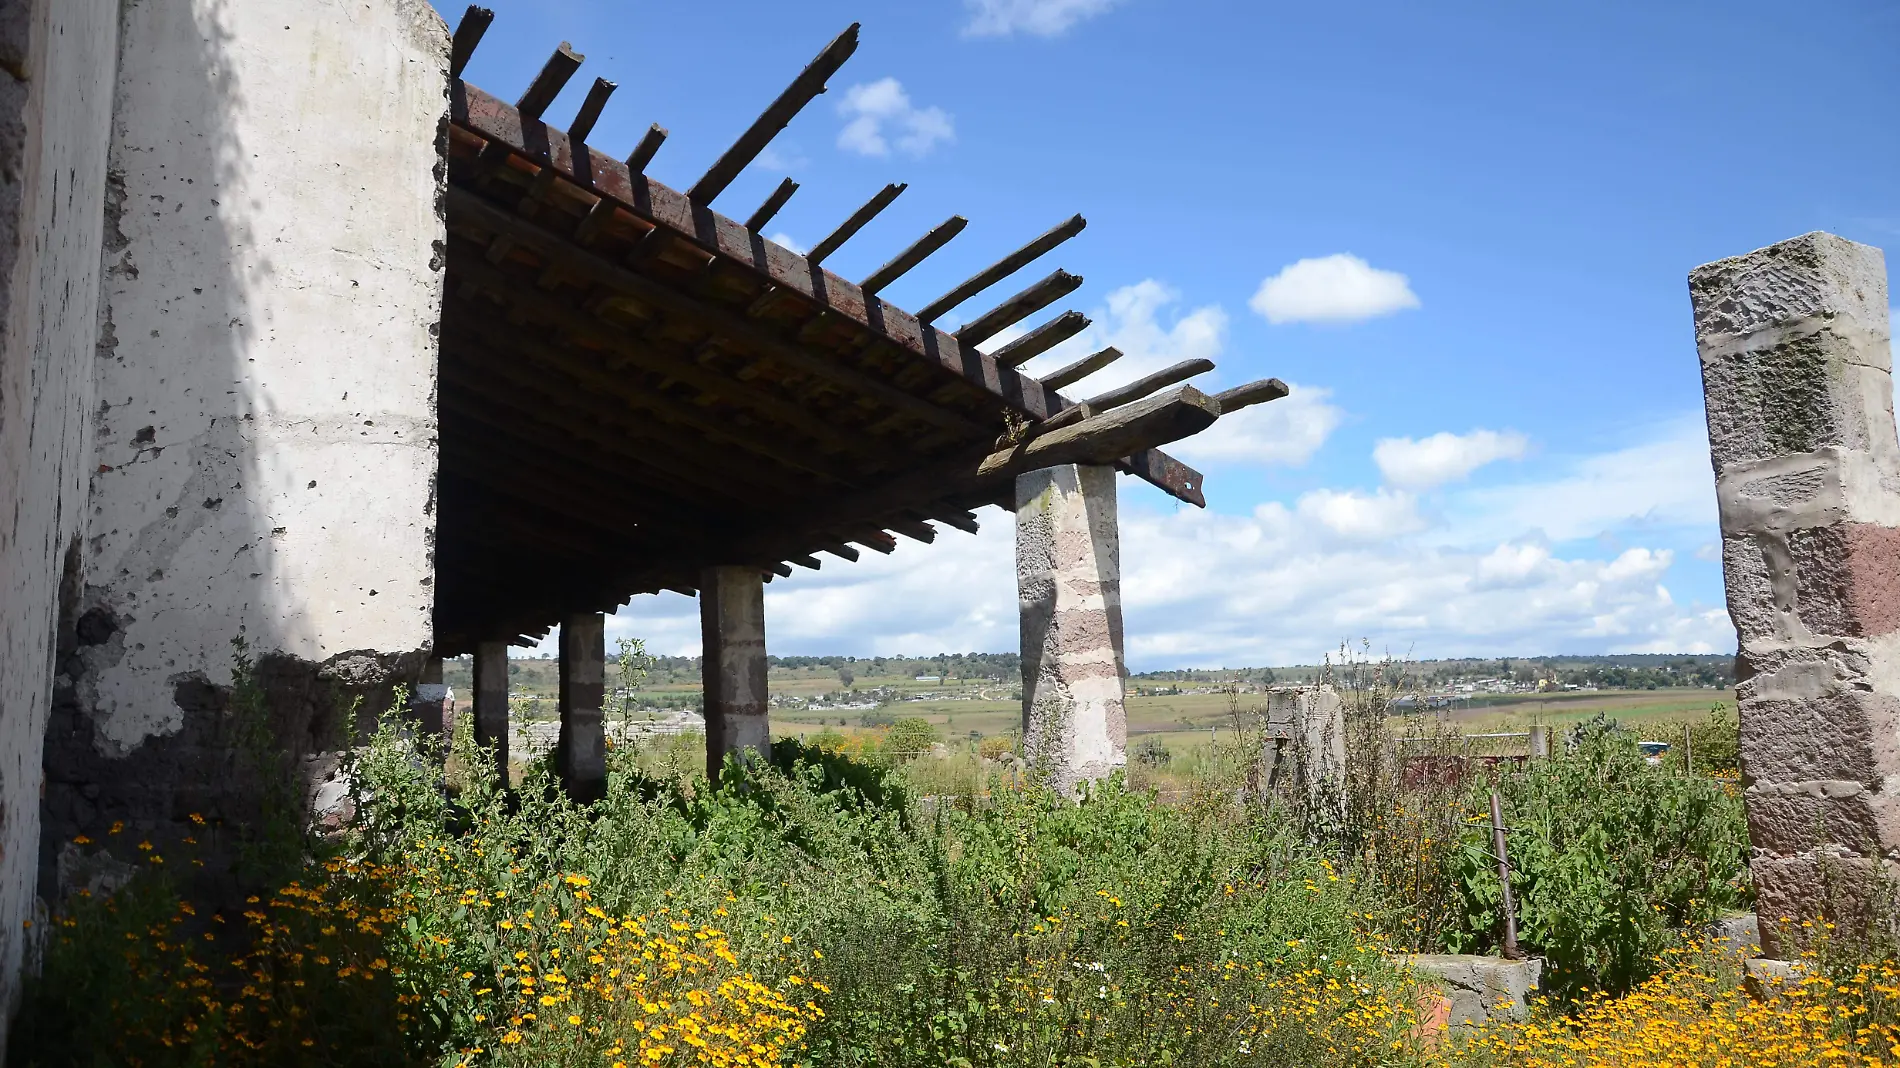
{"x":840,"y":907}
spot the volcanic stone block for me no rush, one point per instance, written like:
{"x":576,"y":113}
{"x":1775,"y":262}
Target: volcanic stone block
{"x":1480,"y":988}
{"x":732,"y":640}
{"x":1797,"y":379}
{"x":1068,"y":582}
{"x":580,"y":755}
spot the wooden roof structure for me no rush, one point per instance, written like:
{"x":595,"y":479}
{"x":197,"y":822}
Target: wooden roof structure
{"x":634,"y":387}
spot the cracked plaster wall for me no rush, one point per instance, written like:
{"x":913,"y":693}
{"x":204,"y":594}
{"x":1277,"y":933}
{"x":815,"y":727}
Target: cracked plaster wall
{"x":56,"y":68}
{"x":263,"y":426}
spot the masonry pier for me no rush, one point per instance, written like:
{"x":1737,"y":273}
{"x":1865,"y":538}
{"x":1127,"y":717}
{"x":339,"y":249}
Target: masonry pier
{"x":1797,"y":378}
{"x":732,"y":633}
{"x":1068,"y":583}
{"x":581,"y":751}
{"x":491,"y":702}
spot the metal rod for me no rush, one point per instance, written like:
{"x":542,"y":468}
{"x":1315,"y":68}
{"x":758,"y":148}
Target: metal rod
{"x":548,"y":84}
{"x":1041,"y":339}
{"x":1511,"y":952}
{"x":1142,"y":387}
{"x":468,"y":34}
{"x":643,"y":152}
{"x":914,"y":255}
{"x":806,"y":87}
{"x":589,"y":114}
{"x":772,"y":204}
{"x":1002,"y":268}
{"x":847,"y":229}
{"x":1082,"y":368}
{"x":1688,"y":754}
{"x":1056,"y":285}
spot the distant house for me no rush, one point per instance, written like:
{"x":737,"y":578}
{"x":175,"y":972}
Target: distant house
{"x":929,"y":678}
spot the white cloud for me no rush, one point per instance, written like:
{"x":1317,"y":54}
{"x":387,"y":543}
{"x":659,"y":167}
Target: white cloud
{"x":1517,"y":570}
{"x":786,"y":240}
{"x":1361,"y":517}
{"x":1141,"y":321}
{"x":1339,"y":288}
{"x":1661,"y":481}
{"x":1287,"y":431}
{"x":1443,"y":457}
{"x":771,"y":159}
{"x":879,"y":115}
{"x":1043,"y":18}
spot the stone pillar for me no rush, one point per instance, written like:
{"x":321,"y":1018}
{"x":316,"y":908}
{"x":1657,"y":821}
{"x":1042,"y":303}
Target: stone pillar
{"x":491,"y":702}
{"x":1068,"y":586}
{"x":1797,"y":378}
{"x":580,"y":754}
{"x":732,"y":639}
{"x":431,"y":701}
{"x":1540,"y":741}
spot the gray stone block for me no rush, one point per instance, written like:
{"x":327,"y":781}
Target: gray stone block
{"x":1480,"y":988}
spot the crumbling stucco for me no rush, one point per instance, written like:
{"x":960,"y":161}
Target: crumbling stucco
{"x":263,"y":442}
{"x":56,"y":67}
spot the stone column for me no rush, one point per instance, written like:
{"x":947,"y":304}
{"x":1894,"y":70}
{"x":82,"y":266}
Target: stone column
{"x":431,"y":700}
{"x":1313,"y":721}
{"x":1797,"y":378}
{"x":491,"y":702}
{"x":580,"y":754}
{"x":732,"y":639}
{"x":1068,"y":585}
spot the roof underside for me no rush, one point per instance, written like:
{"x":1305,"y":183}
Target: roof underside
{"x":634,"y":388}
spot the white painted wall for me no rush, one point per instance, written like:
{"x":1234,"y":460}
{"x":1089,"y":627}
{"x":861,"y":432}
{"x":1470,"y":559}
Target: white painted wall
{"x":265,"y":427}
{"x":55,"y":99}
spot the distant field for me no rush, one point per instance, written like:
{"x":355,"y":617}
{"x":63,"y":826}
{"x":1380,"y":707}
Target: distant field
{"x":963,"y":708}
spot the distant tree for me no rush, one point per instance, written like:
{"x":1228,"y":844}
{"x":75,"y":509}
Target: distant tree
{"x":846,"y":676}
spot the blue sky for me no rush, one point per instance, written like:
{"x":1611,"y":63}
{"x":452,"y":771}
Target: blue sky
{"x":1460,"y":230}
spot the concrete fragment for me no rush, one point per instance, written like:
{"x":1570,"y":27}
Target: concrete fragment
{"x":1797,"y":382}
{"x":1068,"y":583}
{"x":1481,"y":989}
{"x":732,"y":640}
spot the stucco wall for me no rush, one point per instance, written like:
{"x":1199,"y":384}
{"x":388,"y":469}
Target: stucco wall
{"x":264,"y":434}
{"x":56,"y":64}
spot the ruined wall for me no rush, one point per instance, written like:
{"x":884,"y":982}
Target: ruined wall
{"x":264,"y":425}
{"x":56,"y":66}
{"x":1796,"y":374}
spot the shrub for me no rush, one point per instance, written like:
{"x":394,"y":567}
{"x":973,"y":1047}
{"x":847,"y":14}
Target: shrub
{"x":910,"y":738}
{"x":1608,"y":855}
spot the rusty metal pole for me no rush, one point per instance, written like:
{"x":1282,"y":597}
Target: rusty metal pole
{"x":1511,"y":951}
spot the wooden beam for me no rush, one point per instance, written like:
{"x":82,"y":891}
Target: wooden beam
{"x":1041,"y":339}
{"x":1082,"y":368}
{"x":490,"y":123}
{"x":548,"y":84}
{"x":1142,"y":387}
{"x":920,"y":249}
{"x":670,"y":409}
{"x":1267,"y":389}
{"x":725,"y":321}
{"x":849,"y":228}
{"x":643,"y":152}
{"x":1001,"y":269}
{"x":876,"y":540}
{"x":468,"y":34}
{"x":589,"y":114}
{"x":772,"y":204}
{"x":803,"y":90}
{"x":914,"y":529}
{"x":615,"y":342}
{"x":1056,"y":285}
{"x":840,"y":549}
{"x":958,"y":518}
